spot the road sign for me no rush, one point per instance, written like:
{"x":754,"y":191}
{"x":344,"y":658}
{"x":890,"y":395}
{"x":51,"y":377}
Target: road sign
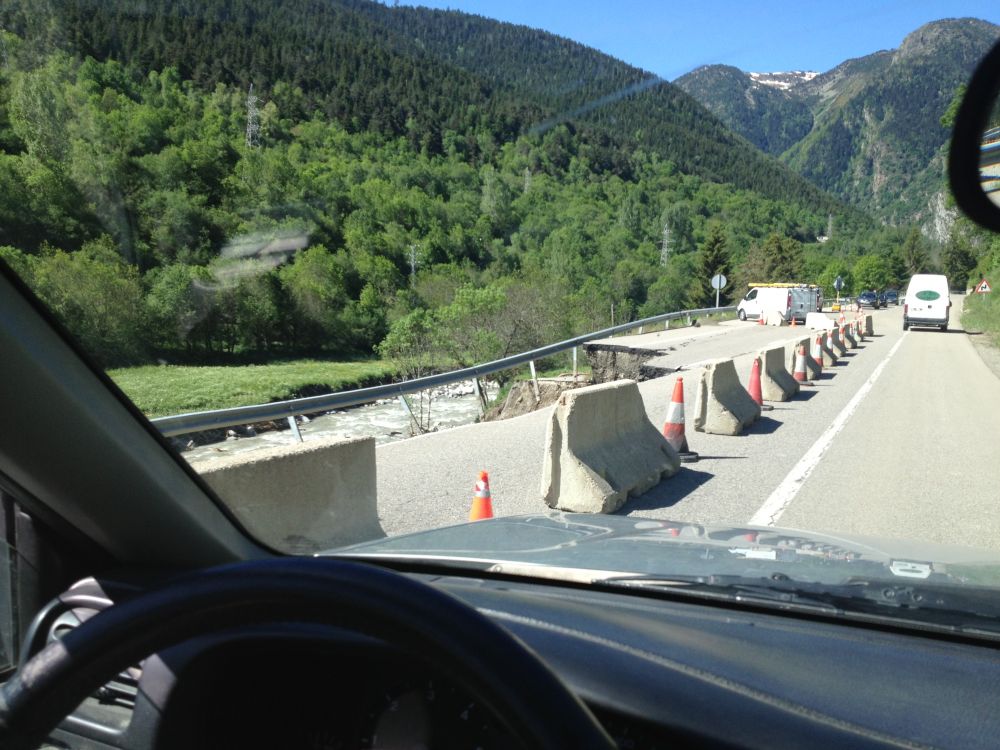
{"x":983,"y":287}
{"x":718,"y":281}
{"x":838,"y":283}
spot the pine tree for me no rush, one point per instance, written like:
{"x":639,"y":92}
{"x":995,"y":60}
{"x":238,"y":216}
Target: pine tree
{"x":713,"y":258}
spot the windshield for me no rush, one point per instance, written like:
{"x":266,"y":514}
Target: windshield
{"x":581,"y":284}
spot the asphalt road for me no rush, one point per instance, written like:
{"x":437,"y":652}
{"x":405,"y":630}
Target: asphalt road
{"x":897,"y":440}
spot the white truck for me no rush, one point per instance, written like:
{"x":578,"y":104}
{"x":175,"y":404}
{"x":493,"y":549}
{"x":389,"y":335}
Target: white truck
{"x":790,"y":300}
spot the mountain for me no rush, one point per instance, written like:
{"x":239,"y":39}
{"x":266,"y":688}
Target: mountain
{"x":421,"y":74}
{"x":758,"y":106}
{"x":875,"y":139}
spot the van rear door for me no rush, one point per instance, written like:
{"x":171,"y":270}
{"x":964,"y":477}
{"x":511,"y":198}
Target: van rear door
{"x":927,"y":301}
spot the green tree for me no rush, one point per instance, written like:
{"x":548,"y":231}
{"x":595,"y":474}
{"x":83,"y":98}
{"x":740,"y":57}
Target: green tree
{"x":314,"y":283}
{"x":958,"y":261}
{"x":913,"y":253}
{"x":712,"y":259}
{"x":98,"y":297}
{"x":872,"y":272}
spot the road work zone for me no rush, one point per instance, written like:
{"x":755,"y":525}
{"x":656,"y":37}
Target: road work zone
{"x":863,"y":484}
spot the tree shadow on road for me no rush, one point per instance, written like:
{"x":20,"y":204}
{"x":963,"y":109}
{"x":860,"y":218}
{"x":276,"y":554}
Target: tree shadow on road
{"x":668,"y":491}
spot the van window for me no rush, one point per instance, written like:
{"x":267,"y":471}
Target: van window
{"x":752,"y":294}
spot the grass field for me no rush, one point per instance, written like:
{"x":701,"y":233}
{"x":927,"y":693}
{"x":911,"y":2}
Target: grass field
{"x":161,"y":390}
{"x":982,"y":313}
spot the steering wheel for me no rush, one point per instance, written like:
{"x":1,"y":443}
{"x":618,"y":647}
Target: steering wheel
{"x":494,"y":665}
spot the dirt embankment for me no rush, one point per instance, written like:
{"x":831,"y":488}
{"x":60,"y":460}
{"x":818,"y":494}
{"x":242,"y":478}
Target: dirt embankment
{"x":521,"y":397}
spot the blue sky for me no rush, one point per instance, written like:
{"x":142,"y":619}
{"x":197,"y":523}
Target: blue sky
{"x":671,"y":38}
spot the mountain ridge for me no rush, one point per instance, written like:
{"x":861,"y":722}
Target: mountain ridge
{"x":874,"y":139}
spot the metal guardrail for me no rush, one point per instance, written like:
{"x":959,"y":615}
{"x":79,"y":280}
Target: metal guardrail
{"x":181,"y":424}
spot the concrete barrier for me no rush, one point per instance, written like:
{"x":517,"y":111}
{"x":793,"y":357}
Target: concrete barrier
{"x":869,"y":331}
{"x":304,"y":497}
{"x":722,"y":405}
{"x":829,"y":356}
{"x":776,"y":382}
{"x":792,"y":350}
{"x":600,"y":447}
{"x":849,"y":340}
{"x":775,"y":318}
{"x":838,"y":346}
{"x":819,"y":321}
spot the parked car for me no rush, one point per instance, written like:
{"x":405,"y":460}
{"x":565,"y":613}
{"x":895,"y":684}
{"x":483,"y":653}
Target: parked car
{"x":793,"y":301}
{"x":868,"y":298}
{"x":892,"y":296}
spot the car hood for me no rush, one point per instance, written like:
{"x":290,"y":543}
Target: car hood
{"x":604,"y":545}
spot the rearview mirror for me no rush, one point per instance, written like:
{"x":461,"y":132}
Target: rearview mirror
{"x":974,"y":158}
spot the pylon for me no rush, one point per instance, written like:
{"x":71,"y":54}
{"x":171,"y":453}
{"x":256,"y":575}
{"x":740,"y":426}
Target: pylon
{"x":817,"y":352}
{"x":755,"y":389}
{"x":794,"y":323}
{"x":800,"y":366}
{"x":482,"y":504}
{"x":760,"y":320}
{"x":673,"y":427}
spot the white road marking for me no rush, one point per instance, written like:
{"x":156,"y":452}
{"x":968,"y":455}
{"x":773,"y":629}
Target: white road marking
{"x":785,"y":492}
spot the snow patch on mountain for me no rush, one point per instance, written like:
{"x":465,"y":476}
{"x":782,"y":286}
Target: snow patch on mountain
{"x":783,"y":80}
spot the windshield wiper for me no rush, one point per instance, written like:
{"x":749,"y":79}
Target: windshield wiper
{"x":952,"y":607}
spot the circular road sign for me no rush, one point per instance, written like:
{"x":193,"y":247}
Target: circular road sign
{"x":718,"y":281}
{"x":838,"y":283}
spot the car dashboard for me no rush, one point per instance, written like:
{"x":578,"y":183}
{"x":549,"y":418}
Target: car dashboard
{"x":655,"y":671}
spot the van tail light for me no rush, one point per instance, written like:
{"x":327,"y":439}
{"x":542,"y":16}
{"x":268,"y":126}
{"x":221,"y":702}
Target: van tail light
{"x":906,"y":308}
{"x":788,"y":304}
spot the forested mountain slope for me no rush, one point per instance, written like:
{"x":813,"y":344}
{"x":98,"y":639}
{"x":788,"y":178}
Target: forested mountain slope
{"x":876,"y":139}
{"x":378,"y":195}
{"x":428,"y":75}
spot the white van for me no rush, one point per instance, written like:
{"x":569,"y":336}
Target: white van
{"x":791,"y":300}
{"x":927,"y":301}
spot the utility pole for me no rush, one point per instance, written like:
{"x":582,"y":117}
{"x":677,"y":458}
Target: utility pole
{"x":253,"y":120}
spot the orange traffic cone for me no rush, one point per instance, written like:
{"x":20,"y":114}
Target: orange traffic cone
{"x":482,"y":505}
{"x":800,"y":366}
{"x":673,"y":427}
{"x":760,"y":320}
{"x":755,"y":389}
{"x":794,"y":323}
{"x":817,"y":352}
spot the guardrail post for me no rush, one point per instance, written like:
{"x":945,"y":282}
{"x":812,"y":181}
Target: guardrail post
{"x":482,"y":396}
{"x":575,"y":349}
{"x":409,"y":413}
{"x":534,"y":380}
{"x":295,"y":428}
